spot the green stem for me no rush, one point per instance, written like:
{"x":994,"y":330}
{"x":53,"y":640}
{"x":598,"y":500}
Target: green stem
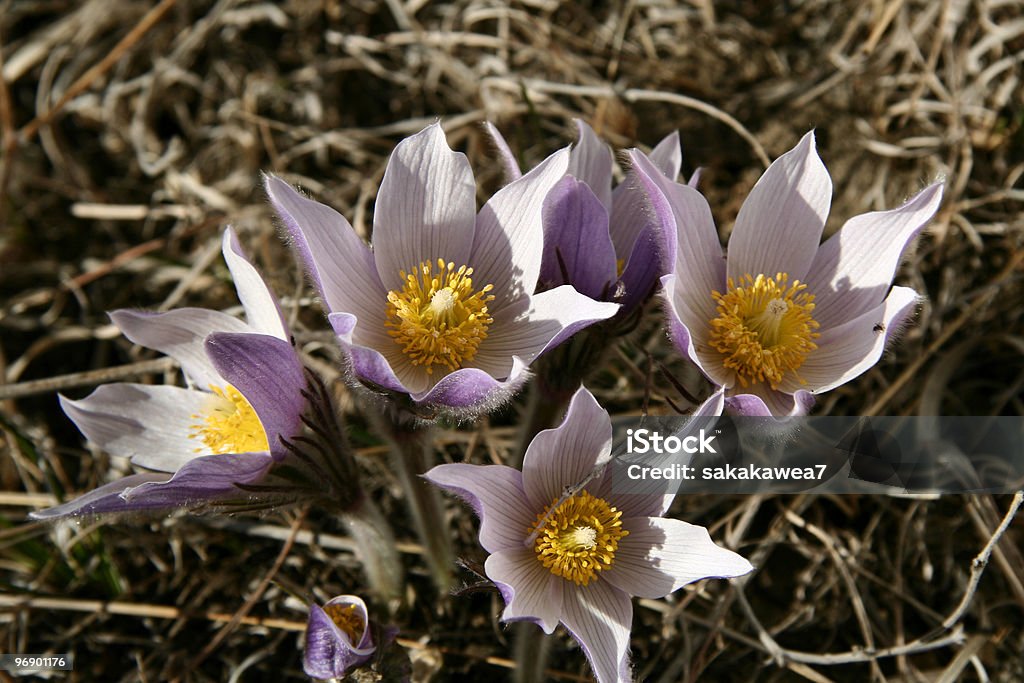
{"x":531,"y":653}
{"x":375,"y":547}
{"x":325,"y":458}
{"x":411,"y":448}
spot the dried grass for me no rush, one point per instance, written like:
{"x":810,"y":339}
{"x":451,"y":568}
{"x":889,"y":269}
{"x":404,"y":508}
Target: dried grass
{"x":133,"y":132}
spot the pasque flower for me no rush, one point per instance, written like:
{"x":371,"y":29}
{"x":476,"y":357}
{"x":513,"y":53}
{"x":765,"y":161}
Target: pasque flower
{"x":783,"y":318}
{"x":577,"y":559}
{"x":199,"y":444}
{"x":443,"y":307}
{"x":338,"y":637}
{"x":604,"y":241}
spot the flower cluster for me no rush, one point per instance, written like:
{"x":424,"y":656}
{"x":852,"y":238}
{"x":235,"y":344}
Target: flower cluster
{"x":444,"y":313}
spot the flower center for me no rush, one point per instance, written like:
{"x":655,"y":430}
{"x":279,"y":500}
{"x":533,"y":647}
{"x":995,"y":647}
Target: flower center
{"x":764,"y":328}
{"x":439,"y":319}
{"x":230,"y":425}
{"x":348,"y":619}
{"x":579,"y":537}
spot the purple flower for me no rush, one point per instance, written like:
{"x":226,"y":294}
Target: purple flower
{"x":578,"y":559}
{"x":601,"y":241}
{"x":443,"y":308}
{"x":201,"y":442}
{"x":338,"y":637}
{"x":783,"y":318}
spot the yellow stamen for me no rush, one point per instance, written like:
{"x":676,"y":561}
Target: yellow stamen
{"x":230,"y":425}
{"x":579,"y":538}
{"x":348,"y":619}
{"x":439,"y":319}
{"x":764,"y":328}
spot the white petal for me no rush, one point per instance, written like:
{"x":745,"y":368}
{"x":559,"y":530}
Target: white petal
{"x":261,"y":308}
{"x":509,"y":242}
{"x":508,"y":159}
{"x":425,"y":208}
{"x":600,"y":617}
{"x":846,"y":351}
{"x":340,"y":263}
{"x":536,"y":593}
{"x":180,"y":334}
{"x":779,"y":225}
{"x":591,"y":161}
{"x":496,"y":495}
{"x":668,"y":156}
{"x":853,"y":270}
{"x":690,"y":333}
{"x":662,"y":555}
{"x":564,"y":456}
{"x":365,"y":637}
{"x":552,"y":317}
{"x":414,"y":378}
{"x":149,"y":424}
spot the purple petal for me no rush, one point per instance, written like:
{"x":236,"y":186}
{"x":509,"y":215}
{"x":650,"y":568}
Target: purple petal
{"x":369,"y":364}
{"x":600,"y":616}
{"x":564,"y":456}
{"x":474,"y":389}
{"x":180,"y":334}
{"x":509,"y":242}
{"x":425,"y":208}
{"x":591,"y":161}
{"x":853,"y":270}
{"x":643,"y":269}
{"x":697,"y":260}
{"x":769,"y":403}
{"x":206,"y":479}
{"x":667,"y":156}
{"x":340,"y":264}
{"x":662,"y":555}
{"x":105,"y":499}
{"x":495,"y":493}
{"x":149,"y":424}
{"x":269,"y":374}
{"x":847,"y":351}
{"x":329,"y":652}
{"x":576,"y":239}
{"x":261,"y":308}
{"x":508,"y":159}
{"x":531,"y":592}
{"x":632,"y":214}
{"x":779,"y":225}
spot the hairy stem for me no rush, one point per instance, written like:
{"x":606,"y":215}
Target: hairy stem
{"x":410,"y":449}
{"x":375,"y":546}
